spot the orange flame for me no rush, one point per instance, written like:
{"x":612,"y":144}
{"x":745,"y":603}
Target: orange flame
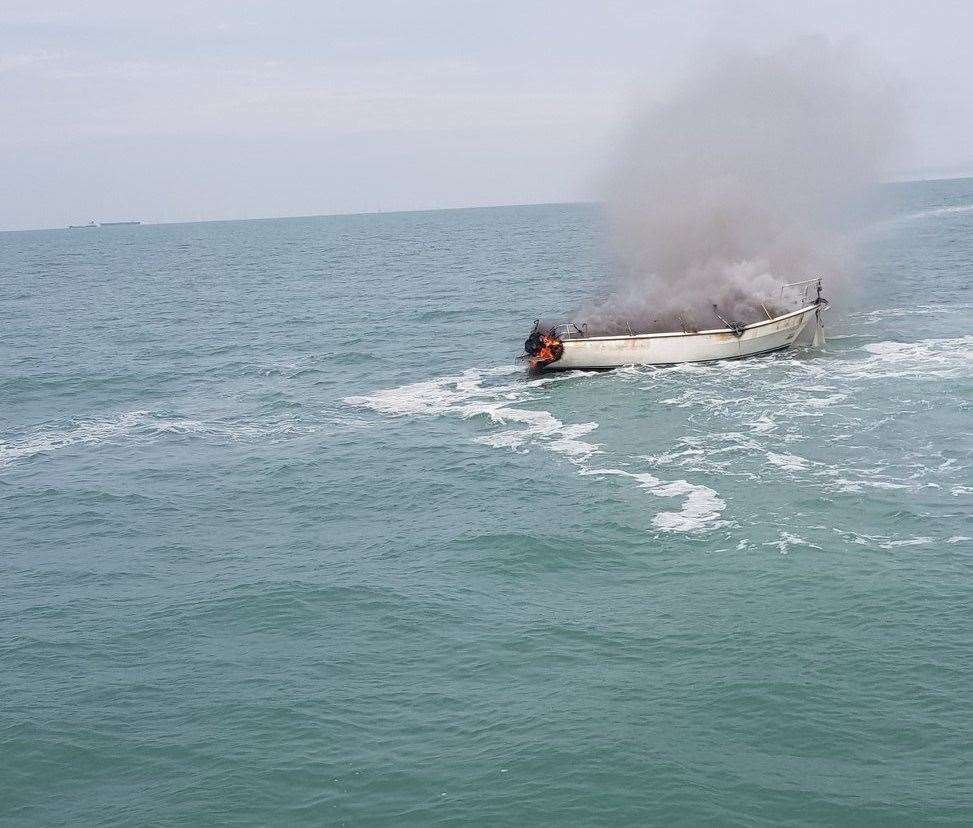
{"x":550,"y":350}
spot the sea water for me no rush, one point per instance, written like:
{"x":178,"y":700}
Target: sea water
{"x":288,"y":536}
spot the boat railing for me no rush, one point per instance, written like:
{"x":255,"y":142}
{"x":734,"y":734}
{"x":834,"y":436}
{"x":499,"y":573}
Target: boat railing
{"x":803,"y":293}
{"x":569,"y":330}
{"x":809,"y":289}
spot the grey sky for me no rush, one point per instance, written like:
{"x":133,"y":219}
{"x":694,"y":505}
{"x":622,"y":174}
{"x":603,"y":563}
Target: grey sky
{"x":188,"y":110}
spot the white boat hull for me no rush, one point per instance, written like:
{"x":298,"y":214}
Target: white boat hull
{"x":671,"y":348}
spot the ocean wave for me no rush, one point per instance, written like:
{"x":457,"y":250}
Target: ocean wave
{"x":743,"y":415}
{"x":942,"y":358}
{"x":886,"y":224}
{"x":788,"y":462}
{"x":750,"y":419}
{"x":903,"y":312}
{"x":141,"y":425}
{"x":856,"y":486}
{"x":889,"y":542}
{"x":786,"y":541}
{"x":718,"y":454}
{"x":84,"y":431}
{"x":936,"y":358}
{"x":934,"y":212}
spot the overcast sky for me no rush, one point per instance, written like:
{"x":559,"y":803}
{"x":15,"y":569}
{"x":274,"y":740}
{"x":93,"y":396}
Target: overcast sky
{"x":247,"y":108}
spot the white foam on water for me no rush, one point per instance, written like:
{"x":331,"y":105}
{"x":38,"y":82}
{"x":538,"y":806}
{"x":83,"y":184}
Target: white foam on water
{"x":927,"y":358}
{"x":848,"y":486}
{"x":891,"y":542}
{"x":468,"y":395}
{"x":431,"y":397}
{"x":700,"y":510}
{"x":568,"y":444}
{"x":959,"y":539}
{"x":764,"y":424}
{"x":513,"y":440}
{"x":921,"y":541}
{"x":880,"y":314}
{"x":141,"y":424}
{"x":785,"y":540}
{"x":539,"y":426}
{"x":821,"y":402}
{"x":936,"y":358}
{"x":774,"y":412}
{"x":788,"y":462}
{"x":85,"y":431}
{"x":744,"y":420}
{"x":848,"y":478}
{"x":722,"y":454}
{"x":682,"y":457}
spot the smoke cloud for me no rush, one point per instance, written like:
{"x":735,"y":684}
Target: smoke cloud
{"x":742,"y":180}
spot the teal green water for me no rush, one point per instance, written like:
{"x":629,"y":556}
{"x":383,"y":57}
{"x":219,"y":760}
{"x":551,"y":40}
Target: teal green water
{"x":287,"y":537}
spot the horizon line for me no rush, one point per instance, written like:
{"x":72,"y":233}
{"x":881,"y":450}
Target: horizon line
{"x":310,"y":215}
{"x":407,"y":210}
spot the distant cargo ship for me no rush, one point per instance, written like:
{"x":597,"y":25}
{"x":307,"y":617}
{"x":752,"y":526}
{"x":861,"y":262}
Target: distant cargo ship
{"x":94,"y":223}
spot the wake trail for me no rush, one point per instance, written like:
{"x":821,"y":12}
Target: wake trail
{"x":472,"y":394}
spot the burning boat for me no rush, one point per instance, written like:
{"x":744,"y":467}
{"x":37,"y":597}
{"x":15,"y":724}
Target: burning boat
{"x":568,"y":346}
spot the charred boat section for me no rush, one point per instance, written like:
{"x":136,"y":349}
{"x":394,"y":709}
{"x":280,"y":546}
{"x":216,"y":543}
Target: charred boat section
{"x":542,"y":347}
{"x":567,"y":346}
